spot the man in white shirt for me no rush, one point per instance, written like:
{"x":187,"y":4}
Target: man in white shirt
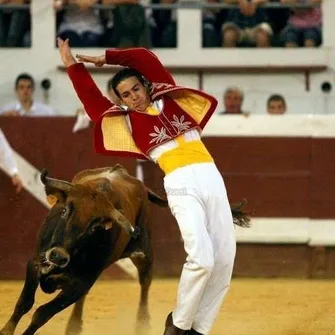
{"x":25,"y":105}
{"x":7,"y":162}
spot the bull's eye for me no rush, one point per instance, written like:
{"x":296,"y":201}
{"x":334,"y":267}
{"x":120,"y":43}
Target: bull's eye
{"x":67,"y":210}
{"x":94,"y":225}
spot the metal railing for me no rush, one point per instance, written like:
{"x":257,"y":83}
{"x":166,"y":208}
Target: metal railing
{"x":203,"y":4}
{"x":181,"y":5}
{"x":15,"y":7}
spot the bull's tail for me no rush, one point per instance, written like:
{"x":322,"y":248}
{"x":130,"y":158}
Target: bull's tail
{"x":156,"y":199}
{"x":240,"y":217}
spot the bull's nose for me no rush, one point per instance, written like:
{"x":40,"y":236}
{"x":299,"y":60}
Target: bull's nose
{"x":58,"y":256}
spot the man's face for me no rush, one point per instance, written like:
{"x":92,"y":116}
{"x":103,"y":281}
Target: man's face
{"x":233,"y":102}
{"x":24,"y":90}
{"x":133,"y":94}
{"x":276,"y":107}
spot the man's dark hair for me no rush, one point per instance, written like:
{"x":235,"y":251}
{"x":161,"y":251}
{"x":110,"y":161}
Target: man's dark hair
{"x":24,"y":76}
{"x":276,"y":97}
{"x":125,"y":73}
{"x":109,"y":84}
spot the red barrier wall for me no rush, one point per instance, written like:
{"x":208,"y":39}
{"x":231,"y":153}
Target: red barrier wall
{"x":280,"y":177}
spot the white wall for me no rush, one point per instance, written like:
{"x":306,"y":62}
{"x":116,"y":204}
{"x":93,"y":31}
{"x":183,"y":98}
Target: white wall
{"x":42,"y":61}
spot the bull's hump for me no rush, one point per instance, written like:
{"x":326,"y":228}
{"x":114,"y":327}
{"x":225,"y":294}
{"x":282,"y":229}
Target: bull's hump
{"x":109,"y":173}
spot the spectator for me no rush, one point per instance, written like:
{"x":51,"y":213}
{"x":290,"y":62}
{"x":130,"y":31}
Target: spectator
{"x":13,"y":24}
{"x":276,"y":105}
{"x":79,"y":22}
{"x":278,"y":17}
{"x":25,"y":104}
{"x":7,"y":162}
{"x":247,"y":26}
{"x":128,"y":25}
{"x":210,"y":30}
{"x":164,"y":26}
{"x":304,"y":25}
{"x":233,"y":100}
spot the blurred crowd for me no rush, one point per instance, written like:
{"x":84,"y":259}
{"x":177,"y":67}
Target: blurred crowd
{"x":132,"y":23}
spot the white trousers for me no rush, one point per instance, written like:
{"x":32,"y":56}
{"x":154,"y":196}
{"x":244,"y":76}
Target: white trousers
{"x":198,"y":200}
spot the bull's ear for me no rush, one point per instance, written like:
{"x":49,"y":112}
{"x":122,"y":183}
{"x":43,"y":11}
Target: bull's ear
{"x":54,"y":189}
{"x":54,"y":196}
{"x":51,"y":199}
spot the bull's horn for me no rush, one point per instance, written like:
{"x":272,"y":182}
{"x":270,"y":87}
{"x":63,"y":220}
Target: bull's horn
{"x":55,"y":183}
{"x":122,"y":221}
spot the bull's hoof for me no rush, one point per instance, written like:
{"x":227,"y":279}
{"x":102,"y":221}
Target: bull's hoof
{"x":8,"y":329}
{"x":74,"y":328}
{"x":136,"y":233}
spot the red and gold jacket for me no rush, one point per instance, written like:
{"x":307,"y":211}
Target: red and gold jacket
{"x":183,"y":108}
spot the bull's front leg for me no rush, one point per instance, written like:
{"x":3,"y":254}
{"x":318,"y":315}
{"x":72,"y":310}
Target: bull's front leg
{"x":63,"y":300}
{"x":75,"y":323}
{"x":26,"y":299}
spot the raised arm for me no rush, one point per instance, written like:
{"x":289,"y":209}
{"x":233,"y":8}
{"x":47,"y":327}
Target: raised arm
{"x":89,"y":94}
{"x":94,"y":102}
{"x":141,"y":59}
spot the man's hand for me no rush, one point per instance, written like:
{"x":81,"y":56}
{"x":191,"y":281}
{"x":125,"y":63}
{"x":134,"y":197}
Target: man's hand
{"x":17,"y":183}
{"x":98,"y":61}
{"x":65,"y":52}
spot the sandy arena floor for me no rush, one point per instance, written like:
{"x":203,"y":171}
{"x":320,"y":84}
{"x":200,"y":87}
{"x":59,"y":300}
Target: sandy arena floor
{"x":252,"y":307}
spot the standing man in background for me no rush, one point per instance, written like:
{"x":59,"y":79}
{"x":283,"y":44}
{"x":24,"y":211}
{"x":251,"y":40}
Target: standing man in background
{"x":7,"y":162}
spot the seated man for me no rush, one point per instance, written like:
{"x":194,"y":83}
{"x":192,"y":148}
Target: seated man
{"x":128,"y":25}
{"x":14,"y":24}
{"x":247,"y":26}
{"x":304,"y":26}
{"x":25,"y":104}
{"x":79,"y":21}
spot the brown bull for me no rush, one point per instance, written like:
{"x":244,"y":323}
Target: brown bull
{"x":99,"y":218}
